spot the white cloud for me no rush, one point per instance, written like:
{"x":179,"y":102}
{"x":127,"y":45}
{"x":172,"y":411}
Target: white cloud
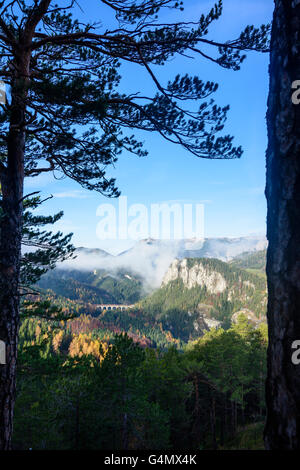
{"x":74,"y":194}
{"x":41,"y":181}
{"x":151,"y":258}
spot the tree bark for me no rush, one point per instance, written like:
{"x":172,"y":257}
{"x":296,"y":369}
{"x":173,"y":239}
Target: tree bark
{"x":283,"y":230}
{"x":12,"y":177}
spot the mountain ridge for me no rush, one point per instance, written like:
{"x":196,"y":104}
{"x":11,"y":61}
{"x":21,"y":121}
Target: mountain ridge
{"x":150,"y":258}
{"x":210,"y":287}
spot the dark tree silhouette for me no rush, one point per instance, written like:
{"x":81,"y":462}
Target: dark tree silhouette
{"x":42,"y":248}
{"x":283,"y":222}
{"x":64,"y":113}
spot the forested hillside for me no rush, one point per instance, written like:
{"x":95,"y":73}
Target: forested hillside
{"x":196,"y":294}
{"x":96,"y":287}
{"x":79,"y":390}
{"x":181,"y":369}
{"x":251,"y":261}
{"x":208,"y":286}
{"x":158,"y":375}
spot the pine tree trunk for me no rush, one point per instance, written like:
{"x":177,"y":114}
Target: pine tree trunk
{"x":283,"y":221}
{"x":10,"y":251}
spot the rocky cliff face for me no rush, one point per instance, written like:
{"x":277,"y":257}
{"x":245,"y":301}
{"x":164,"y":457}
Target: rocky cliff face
{"x":210,"y":290}
{"x":196,"y":275}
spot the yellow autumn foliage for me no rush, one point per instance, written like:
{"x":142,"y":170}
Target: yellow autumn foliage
{"x":84,"y":344}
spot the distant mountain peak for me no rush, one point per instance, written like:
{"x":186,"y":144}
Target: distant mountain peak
{"x":150,"y":258}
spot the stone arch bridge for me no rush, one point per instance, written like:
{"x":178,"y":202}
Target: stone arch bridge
{"x":114,"y":307}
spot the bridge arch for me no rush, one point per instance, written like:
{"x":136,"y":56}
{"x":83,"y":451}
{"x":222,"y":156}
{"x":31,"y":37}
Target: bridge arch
{"x":121,"y":307}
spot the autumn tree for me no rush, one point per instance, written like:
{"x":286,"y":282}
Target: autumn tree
{"x":64,"y":112}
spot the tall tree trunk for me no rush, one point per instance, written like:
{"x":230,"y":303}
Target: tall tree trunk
{"x":283,"y":258}
{"x":12,"y":178}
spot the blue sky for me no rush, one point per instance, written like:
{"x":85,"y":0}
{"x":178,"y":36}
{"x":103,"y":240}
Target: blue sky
{"x":232,"y":191}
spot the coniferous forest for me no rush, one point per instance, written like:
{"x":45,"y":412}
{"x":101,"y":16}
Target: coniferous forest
{"x":77,"y":389}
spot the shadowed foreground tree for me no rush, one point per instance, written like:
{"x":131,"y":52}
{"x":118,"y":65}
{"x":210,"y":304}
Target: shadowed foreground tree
{"x":42,"y":249}
{"x":61,"y":73}
{"x":283,"y":256}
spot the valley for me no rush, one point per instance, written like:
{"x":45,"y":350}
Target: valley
{"x":195,"y":294}
{"x":100,"y":343}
